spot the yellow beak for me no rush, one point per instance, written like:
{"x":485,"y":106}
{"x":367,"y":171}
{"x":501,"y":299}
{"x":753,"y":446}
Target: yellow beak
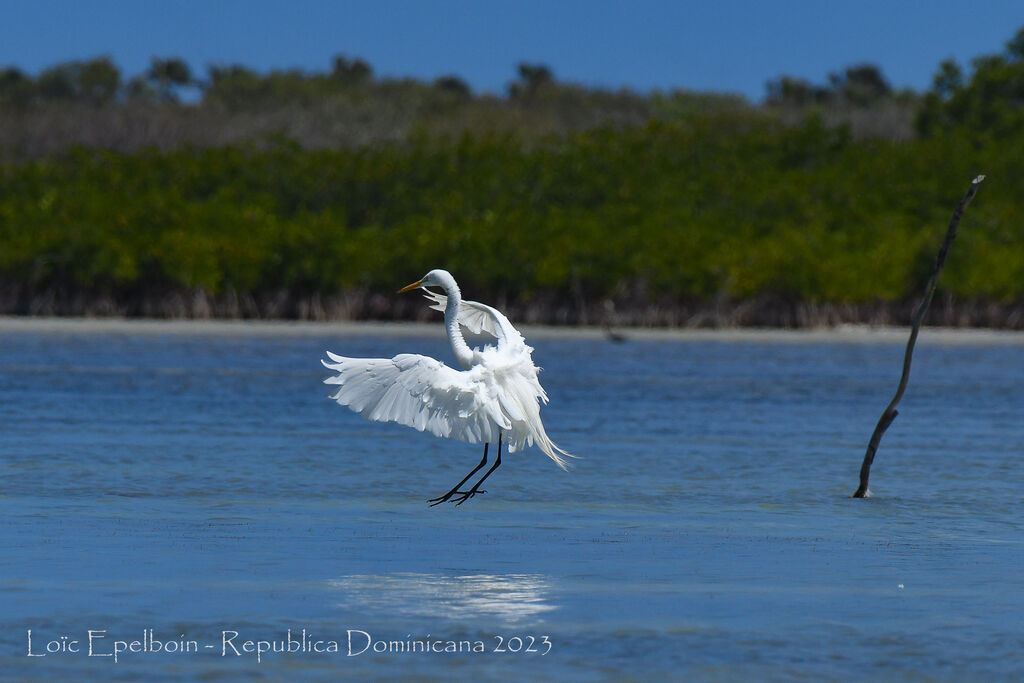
{"x":412,"y":286}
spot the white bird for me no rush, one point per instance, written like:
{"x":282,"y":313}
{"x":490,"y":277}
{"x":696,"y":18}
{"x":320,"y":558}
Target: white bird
{"x":496,"y":394}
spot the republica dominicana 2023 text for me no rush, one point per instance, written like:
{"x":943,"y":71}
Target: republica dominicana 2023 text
{"x":354,"y":642}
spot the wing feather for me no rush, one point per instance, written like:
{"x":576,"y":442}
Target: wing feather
{"x":419,"y":392}
{"x":479,"y":318}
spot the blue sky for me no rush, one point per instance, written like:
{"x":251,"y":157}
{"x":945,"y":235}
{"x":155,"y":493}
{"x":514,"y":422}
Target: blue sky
{"x":722,"y":45}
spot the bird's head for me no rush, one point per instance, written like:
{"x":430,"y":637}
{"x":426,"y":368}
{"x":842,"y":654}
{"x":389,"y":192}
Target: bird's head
{"x":436,"y":278}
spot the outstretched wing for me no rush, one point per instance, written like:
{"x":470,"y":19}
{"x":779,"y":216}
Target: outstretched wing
{"x":479,"y":318}
{"x":419,"y":392}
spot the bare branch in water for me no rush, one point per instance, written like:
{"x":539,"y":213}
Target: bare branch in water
{"x":890,"y":412}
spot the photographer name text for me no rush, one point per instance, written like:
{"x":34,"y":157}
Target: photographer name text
{"x":354,"y":642}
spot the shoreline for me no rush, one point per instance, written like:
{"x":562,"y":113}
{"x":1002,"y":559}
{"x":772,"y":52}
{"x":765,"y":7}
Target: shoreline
{"x":847,"y":333}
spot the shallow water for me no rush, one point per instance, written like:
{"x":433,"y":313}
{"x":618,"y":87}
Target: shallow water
{"x":197,"y":484}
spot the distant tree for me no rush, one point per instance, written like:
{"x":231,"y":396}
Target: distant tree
{"x":234,"y":86}
{"x":932,"y":114}
{"x":15,"y":86}
{"x":172,"y":70}
{"x":789,"y":90}
{"x":56,"y":83}
{"x":992,"y":101}
{"x":862,"y":85}
{"x":532,"y":78}
{"x":11,"y":77}
{"x":95,"y":81}
{"x":948,"y":80}
{"x":139,"y":88}
{"x":1015,"y":47}
{"x":168,"y":74}
{"x":99,"y":80}
{"x":453,"y":84}
{"x":221,"y":75}
{"x":351,"y":71}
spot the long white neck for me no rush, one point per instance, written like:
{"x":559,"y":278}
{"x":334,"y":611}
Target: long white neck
{"x":460,"y":348}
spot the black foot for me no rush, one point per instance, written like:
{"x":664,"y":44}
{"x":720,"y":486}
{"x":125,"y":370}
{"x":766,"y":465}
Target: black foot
{"x":459,"y":497}
{"x":469,"y":494}
{"x":446,"y":497}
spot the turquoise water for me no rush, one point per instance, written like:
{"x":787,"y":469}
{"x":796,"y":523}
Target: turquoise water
{"x":202,"y":485}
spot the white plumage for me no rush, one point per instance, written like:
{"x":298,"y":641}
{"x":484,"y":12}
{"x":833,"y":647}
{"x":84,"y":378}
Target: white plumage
{"x":495,"y":395}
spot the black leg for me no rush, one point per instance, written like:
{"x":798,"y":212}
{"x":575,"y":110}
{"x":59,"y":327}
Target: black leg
{"x":476,"y":488}
{"x":483,"y":461}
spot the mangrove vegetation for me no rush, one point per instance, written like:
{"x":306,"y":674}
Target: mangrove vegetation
{"x":315,"y":195}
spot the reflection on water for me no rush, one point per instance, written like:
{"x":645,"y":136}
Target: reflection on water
{"x":512,"y":597}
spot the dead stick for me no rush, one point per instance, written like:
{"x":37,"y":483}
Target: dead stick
{"x":890,"y":411}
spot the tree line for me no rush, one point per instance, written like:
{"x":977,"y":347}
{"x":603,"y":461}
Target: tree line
{"x":694,"y":209}
{"x":91,"y":103}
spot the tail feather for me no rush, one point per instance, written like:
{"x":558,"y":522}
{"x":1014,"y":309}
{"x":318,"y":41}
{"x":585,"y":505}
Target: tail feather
{"x":545,"y":444}
{"x":531,"y":426}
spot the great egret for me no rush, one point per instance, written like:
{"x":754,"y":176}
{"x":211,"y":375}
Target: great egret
{"x":496,"y":394}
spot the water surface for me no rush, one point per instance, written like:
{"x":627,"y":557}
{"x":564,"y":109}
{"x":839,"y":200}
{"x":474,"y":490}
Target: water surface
{"x":201,"y":483}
